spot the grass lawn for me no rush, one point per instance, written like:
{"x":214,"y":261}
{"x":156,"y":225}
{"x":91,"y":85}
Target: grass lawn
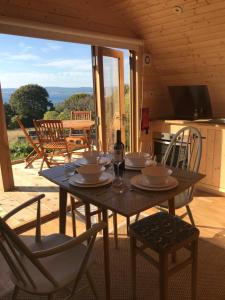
{"x":13,"y":135}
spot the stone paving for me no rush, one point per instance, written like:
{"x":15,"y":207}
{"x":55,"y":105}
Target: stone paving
{"x":28,"y":184}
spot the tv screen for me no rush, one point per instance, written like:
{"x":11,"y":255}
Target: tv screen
{"x":191,"y":102}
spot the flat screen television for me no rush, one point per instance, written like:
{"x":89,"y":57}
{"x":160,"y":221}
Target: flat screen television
{"x":191,"y":102}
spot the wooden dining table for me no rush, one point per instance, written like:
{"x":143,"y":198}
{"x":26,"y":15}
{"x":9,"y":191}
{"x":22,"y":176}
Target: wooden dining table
{"x":129,"y":203}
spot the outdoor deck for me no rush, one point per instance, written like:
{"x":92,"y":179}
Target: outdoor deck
{"x":208,"y":211}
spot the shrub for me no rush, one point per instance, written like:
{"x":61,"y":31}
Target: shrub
{"x":20,"y":149}
{"x":51,"y":115}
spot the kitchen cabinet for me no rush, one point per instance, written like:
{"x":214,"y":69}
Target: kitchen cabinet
{"x":213,"y":151}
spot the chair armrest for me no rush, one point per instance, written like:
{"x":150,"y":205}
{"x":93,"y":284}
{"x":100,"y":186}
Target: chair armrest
{"x":22,"y":206}
{"x":73,"y":242}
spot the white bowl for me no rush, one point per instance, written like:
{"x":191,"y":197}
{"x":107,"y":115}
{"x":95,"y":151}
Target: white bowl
{"x":91,"y":156}
{"x":137,"y":158}
{"x":156,"y":175}
{"x":91,"y":172}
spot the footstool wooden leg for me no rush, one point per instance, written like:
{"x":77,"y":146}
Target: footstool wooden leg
{"x":133,"y":266}
{"x":163,"y":276}
{"x":128,"y":225}
{"x":115,"y":229}
{"x":194,"y":270}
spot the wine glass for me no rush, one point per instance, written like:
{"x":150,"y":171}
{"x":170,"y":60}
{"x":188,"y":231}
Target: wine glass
{"x":118,"y":183}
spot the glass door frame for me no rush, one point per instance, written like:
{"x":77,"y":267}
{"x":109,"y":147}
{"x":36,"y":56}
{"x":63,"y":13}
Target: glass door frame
{"x":98,"y":76}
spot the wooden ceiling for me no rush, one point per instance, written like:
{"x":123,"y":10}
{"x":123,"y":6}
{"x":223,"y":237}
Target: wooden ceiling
{"x":187,"y":43}
{"x":83,"y":15}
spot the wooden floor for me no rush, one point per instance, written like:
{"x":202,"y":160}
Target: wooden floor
{"x":208,"y":210}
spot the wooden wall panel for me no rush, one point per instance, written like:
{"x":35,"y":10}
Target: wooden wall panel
{"x":186,"y":48}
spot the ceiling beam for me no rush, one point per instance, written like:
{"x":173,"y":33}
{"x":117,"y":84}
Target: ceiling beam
{"x":44,"y":30}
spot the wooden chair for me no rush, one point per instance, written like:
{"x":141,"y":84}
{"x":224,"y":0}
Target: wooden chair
{"x":49,"y":264}
{"x":163,"y":234}
{"x":51,"y":137}
{"x":184,"y":152}
{"x":80,"y":135}
{"x":37,"y":152}
{"x":80,"y":115}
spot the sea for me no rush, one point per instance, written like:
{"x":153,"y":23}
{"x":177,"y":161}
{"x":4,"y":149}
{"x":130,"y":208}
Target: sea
{"x":56,"y":94}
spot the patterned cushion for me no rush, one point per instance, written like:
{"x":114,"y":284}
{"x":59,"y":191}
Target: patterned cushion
{"x":162,"y":231}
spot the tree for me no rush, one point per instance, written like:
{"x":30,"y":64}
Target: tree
{"x":30,"y":102}
{"x":9,"y":113}
{"x":126,"y":89}
{"x":79,"y":102}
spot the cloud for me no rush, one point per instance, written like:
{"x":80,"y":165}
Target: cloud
{"x":83,"y":65}
{"x":24,"y":48}
{"x":20,"y":57}
{"x":51,"y":47}
{"x":61,"y":79}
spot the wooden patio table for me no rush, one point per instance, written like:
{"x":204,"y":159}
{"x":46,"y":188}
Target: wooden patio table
{"x":78,"y":124}
{"x":131,"y":202}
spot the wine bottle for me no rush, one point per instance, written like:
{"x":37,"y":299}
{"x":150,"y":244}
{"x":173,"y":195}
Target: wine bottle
{"x":119,"y":155}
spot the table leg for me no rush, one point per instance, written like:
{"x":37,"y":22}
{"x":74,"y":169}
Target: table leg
{"x":106,"y":254}
{"x":87,"y":216}
{"x":62,"y":210}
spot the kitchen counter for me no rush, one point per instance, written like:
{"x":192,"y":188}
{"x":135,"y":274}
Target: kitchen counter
{"x":204,"y":122}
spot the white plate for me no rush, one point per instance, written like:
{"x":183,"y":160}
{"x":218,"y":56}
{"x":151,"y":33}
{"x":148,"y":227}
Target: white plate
{"x":127,"y":167}
{"x":134,"y":166}
{"x":137,"y":182}
{"x":130,"y":166}
{"x":82,"y":161}
{"x":170,"y":181}
{"x":75,"y":180}
{"x":79,"y":179}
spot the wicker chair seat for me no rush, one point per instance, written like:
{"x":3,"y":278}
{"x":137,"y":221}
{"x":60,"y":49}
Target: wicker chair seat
{"x":162,"y":231}
{"x":59,"y":145}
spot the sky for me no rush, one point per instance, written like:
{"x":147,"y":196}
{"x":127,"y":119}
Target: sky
{"x":47,"y":63}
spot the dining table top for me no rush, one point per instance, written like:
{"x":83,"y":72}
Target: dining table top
{"x":132,"y":200}
{"x":78,"y":124}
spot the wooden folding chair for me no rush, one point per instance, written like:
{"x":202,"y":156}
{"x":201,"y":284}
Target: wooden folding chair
{"x":80,"y":135}
{"x":37,"y":152}
{"x":52,"y":141}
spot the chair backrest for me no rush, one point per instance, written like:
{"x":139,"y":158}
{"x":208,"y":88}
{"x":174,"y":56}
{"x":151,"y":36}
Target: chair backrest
{"x":185,"y":150}
{"x":24,"y":265}
{"x":49,"y":131}
{"x":15,"y":253}
{"x":80,"y":115}
{"x":27,"y":136}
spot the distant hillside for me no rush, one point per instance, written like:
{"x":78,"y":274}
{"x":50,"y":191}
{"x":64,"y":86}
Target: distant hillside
{"x":56,"y":94}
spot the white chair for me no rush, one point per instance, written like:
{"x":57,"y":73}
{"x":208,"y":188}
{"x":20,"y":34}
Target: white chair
{"x":47,"y":264}
{"x":184,"y":151}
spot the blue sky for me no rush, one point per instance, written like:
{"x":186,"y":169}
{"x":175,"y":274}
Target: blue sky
{"x":48,"y":63}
